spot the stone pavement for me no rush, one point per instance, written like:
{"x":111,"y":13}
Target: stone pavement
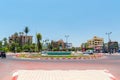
{"x":9,"y":65}
{"x":63,"y":75}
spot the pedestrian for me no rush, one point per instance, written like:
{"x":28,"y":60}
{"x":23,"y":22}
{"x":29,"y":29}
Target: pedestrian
{"x":3,"y":54}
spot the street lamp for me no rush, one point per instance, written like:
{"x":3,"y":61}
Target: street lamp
{"x":45,"y":44}
{"x":109,"y":42}
{"x":66,"y":36}
{"x":109,"y":36}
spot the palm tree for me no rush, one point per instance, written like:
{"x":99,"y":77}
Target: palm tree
{"x":15,"y":34}
{"x":0,"y":45}
{"x":26,"y":30}
{"x":5,"y":41}
{"x":39,"y":38}
{"x":16,"y":37}
{"x":4,"y":44}
{"x":20,"y":33}
{"x":20,"y":39}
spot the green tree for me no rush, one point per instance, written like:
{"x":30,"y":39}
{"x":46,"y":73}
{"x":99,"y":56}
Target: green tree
{"x":73,"y":49}
{"x":39,"y":38}
{"x":26,"y":48}
{"x":86,"y":45}
{"x":5,"y":41}
{"x":32,"y":47}
{"x":56,"y":49}
{"x":50,"y":46}
{"x":5,"y":44}
{"x":0,"y":45}
{"x":21,"y":33}
{"x":16,"y":40}
{"x":16,"y":34}
{"x":13,"y":47}
{"x":26,"y":30}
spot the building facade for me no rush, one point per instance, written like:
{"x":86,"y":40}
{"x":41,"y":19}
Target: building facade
{"x":96,"y":43}
{"x":68,"y":45}
{"x":21,"y":39}
{"x":60,"y":44}
{"x":113,"y":47}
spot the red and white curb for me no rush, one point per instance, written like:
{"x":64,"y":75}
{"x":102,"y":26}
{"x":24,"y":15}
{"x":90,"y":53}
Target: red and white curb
{"x":15,"y":75}
{"x":110,"y":75}
{"x":97,"y":56}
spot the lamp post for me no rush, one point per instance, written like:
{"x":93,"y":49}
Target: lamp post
{"x":109,"y":33}
{"x":45,"y":44}
{"x":66,"y":36}
{"x":109,"y":42}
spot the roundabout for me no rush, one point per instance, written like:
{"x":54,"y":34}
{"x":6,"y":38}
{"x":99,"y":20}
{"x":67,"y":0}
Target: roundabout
{"x":11,"y":65}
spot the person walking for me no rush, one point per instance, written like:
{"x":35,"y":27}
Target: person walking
{"x":3,"y":54}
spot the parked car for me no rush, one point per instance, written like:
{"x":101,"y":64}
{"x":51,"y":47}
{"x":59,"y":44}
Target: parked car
{"x":90,"y":52}
{"x":118,"y":51}
{"x":2,"y":54}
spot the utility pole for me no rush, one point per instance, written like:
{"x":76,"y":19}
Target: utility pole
{"x":109,"y":42}
{"x":66,"y":36}
{"x":109,"y":33}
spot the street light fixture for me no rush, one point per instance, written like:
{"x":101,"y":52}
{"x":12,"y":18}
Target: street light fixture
{"x":109,"y":36}
{"x":109,"y":42}
{"x":66,"y":36}
{"x":45,"y":44}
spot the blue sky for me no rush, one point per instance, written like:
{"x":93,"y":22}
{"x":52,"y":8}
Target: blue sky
{"x":80,"y":19}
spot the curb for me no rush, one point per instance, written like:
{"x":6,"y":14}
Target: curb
{"x":110,"y":75}
{"x":15,"y":76}
{"x":64,"y":58}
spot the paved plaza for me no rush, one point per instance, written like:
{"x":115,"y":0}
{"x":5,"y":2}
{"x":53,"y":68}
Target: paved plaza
{"x":10,"y":65}
{"x":63,"y":75}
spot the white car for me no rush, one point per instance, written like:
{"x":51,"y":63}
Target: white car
{"x":88,"y":52}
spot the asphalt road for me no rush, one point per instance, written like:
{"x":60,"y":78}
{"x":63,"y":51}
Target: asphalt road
{"x":10,"y":65}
